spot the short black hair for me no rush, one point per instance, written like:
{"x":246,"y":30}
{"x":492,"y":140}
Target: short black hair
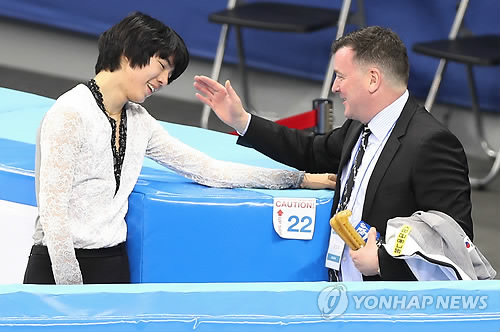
{"x":378,"y":45}
{"x":139,"y":37}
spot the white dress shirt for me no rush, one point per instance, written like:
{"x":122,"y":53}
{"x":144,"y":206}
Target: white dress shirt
{"x":381,"y":127}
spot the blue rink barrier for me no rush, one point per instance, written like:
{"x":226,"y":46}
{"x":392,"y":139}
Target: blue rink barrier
{"x":178,"y":230}
{"x":368,"y":306}
{"x":183,"y":232}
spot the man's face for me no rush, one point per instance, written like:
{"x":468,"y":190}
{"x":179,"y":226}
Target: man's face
{"x":351,"y":83}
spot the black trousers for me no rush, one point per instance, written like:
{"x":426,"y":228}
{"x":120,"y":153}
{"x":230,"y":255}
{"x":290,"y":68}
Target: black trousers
{"x":98,"y":266}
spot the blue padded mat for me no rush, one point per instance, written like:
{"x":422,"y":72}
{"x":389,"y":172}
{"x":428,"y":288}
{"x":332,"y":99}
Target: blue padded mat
{"x":178,"y":230}
{"x":183,"y":232}
{"x":437,"y":306}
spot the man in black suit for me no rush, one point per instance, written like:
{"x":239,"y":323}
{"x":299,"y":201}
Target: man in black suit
{"x":410,"y":161}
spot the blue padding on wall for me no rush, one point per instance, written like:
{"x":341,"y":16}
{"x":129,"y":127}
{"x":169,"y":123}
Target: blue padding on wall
{"x":193,"y":234}
{"x":171,"y":239}
{"x":303,"y":55}
{"x":17,"y":172}
{"x":31,"y":102}
{"x":179,"y":230}
{"x":435,"y":306}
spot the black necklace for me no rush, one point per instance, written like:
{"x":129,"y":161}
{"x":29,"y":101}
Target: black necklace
{"x":94,"y":88}
{"x":118,"y":155}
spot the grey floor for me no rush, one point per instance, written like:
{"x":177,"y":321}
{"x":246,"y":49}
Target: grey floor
{"x":33,"y":62}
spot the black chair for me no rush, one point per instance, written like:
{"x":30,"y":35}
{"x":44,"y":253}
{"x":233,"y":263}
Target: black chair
{"x":481,"y":50}
{"x":277,"y":16}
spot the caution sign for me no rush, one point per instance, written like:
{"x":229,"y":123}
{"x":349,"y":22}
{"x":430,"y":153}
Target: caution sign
{"x":294,"y":218}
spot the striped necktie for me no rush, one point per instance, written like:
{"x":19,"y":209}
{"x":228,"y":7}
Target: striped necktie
{"x":354,"y":169}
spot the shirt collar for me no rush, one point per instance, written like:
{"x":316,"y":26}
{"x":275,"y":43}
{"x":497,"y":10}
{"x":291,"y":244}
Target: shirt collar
{"x":383,"y":122}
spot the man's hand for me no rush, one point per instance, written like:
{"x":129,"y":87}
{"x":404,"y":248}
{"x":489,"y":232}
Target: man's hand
{"x":366,"y":258}
{"x":223,"y":100}
{"x":319,"y":181}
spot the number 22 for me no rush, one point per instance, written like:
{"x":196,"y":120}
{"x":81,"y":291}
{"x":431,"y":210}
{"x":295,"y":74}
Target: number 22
{"x":304,"y":228}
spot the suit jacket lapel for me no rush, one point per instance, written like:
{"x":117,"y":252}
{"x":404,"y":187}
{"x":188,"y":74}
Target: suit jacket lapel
{"x":349,"y":142}
{"x":388,"y":153}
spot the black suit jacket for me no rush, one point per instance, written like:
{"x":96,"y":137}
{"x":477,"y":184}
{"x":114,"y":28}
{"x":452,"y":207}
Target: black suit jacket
{"x":422,"y":167}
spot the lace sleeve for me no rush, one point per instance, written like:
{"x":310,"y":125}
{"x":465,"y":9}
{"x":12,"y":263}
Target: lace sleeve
{"x":59,"y":142}
{"x":195,"y":165}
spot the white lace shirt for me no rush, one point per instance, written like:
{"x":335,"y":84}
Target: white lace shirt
{"x":76,"y":185}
